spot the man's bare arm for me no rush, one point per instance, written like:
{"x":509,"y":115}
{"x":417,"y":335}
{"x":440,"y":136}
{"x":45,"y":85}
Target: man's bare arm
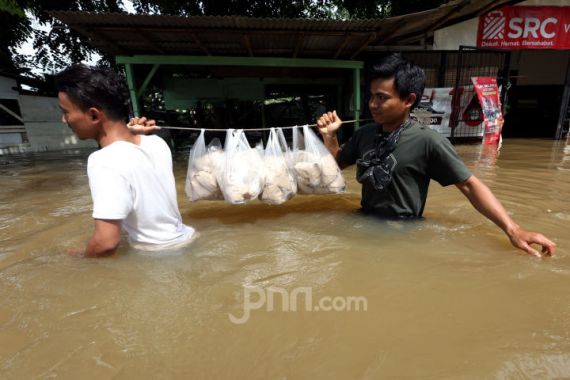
{"x":105,"y":238}
{"x":487,"y":204}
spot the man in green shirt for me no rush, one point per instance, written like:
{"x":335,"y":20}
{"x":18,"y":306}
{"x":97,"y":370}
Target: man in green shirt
{"x":396,"y":157}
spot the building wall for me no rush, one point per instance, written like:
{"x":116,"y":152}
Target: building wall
{"x":465,"y":33}
{"x":45,"y":130}
{"x":7,"y":90}
{"x":9,"y":134}
{"x":450,"y":38}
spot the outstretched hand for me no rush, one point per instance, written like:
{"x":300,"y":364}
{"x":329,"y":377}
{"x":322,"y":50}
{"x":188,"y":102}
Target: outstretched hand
{"x":523,"y":239}
{"x":485,"y":202}
{"x":142,"y":125}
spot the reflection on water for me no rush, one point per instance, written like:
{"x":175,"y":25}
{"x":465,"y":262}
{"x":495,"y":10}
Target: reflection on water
{"x":447,"y":297}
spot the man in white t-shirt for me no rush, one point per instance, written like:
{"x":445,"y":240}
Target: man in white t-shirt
{"x":131,"y":179}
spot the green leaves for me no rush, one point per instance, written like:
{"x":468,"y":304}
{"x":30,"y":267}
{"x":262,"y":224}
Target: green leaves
{"x":59,"y":45}
{"x":12,"y":7}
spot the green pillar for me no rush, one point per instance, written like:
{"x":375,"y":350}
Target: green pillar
{"x":147,"y":80}
{"x":132,"y":88}
{"x":356,"y":96}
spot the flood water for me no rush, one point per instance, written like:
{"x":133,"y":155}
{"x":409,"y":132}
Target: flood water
{"x":447,"y":297}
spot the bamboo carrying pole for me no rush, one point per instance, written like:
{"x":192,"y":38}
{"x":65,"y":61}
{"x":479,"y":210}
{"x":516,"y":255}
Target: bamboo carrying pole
{"x":249,"y":129}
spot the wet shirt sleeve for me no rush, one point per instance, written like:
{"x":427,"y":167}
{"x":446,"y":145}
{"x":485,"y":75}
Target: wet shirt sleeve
{"x":110,"y":191}
{"x":444,"y":165}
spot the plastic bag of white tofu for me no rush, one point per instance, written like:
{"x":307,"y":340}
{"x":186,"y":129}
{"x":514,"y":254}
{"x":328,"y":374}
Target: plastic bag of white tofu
{"x":280,"y":184}
{"x":203,"y":162}
{"x":315,"y":169}
{"x":241,"y":176}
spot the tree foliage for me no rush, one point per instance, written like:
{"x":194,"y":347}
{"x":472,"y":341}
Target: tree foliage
{"x":15,"y":25}
{"x":60,"y":45}
{"x":251,"y":8}
{"x":53,"y":48}
{"x":402,"y":7}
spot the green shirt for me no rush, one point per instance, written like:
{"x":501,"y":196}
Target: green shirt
{"x":420,"y":155}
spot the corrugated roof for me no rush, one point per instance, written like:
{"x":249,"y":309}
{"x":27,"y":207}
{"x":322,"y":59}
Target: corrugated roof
{"x":128,"y":34}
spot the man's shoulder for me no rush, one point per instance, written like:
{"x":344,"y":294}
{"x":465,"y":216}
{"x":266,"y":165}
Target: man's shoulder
{"x":154,"y":143}
{"x":96,"y":158}
{"x":153,"y":139}
{"x":366,"y":130}
{"x":118,"y":156}
{"x":424,"y":132}
{"x":369,"y":127}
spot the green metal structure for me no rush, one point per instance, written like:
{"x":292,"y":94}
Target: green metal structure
{"x":157,"y":60}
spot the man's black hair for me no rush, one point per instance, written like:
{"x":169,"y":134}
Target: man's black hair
{"x":95,"y":87}
{"x":408,"y":77}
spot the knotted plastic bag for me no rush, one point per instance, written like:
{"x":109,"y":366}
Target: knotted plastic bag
{"x":280,"y":184}
{"x":203,"y":163}
{"x":314,"y":167}
{"x":242,"y":175}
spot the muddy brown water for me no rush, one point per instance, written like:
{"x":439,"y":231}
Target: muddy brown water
{"x":446,"y":297}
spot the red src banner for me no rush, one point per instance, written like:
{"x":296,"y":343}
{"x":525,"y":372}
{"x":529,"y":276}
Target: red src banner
{"x":488,"y":94}
{"x":525,"y":27}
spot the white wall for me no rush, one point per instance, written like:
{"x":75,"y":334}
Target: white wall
{"x":44,"y":127}
{"x":450,"y":38}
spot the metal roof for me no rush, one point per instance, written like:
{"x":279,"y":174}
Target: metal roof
{"x":129,"y":34}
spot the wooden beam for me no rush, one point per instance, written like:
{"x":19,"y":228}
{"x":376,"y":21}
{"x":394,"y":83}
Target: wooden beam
{"x":247,"y":43}
{"x":298,"y":47}
{"x":492,"y":6}
{"x":388,"y":33}
{"x":415,"y":38}
{"x":248,"y":31}
{"x":342,"y":45}
{"x":11,"y":113}
{"x":364,"y":45}
{"x":448,"y":15}
{"x":200,"y":44}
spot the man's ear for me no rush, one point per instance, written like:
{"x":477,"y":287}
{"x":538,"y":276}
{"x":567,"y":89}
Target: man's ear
{"x":411,"y":99}
{"x":95,"y":114}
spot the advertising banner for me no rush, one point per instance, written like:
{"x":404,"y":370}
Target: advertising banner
{"x":488,"y":94}
{"x":525,"y":27}
{"x":436,"y":107}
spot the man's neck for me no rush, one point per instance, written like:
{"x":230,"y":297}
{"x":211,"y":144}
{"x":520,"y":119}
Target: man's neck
{"x":113,"y":131}
{"x":391,"y":127}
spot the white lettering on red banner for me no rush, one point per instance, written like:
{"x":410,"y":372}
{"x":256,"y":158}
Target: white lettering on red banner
{"x":525,"y":28}
{"x":488,"y":94}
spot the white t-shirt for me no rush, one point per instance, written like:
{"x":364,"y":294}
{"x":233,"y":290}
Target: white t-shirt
{"x":135,"y":183}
